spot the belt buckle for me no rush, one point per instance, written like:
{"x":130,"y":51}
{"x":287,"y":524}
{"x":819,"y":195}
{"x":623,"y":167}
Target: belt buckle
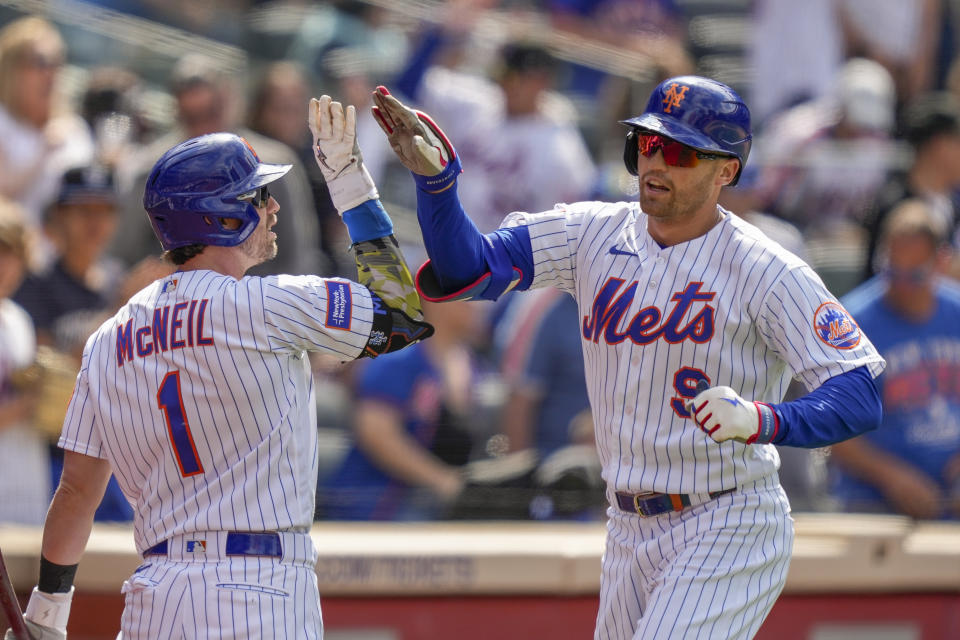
{"x":636,"y":502}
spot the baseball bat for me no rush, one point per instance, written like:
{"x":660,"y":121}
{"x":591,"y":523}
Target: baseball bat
{"x":8,"y":600}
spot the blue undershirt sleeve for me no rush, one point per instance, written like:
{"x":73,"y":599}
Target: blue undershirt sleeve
{"x":452,"y":241}
{"x":367,"y":221}
{"x":844,"y":406}
{"x":460,"y":254}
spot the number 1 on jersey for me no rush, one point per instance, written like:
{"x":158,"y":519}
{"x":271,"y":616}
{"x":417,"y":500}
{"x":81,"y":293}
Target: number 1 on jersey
{"x":170,"y":401}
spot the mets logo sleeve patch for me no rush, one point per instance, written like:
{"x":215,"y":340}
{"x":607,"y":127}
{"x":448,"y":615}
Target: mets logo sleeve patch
{"x":339,"y":304}
{"x":835,"y":327}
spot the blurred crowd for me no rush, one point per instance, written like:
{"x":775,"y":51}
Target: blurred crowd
{"x":855,"y":167}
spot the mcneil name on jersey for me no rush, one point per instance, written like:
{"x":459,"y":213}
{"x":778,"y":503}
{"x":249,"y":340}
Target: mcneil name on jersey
{"x":173,"y":327}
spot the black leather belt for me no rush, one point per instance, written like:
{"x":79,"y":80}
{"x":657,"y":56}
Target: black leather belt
{"x":239,"y":543}
{"x":653,"y":504}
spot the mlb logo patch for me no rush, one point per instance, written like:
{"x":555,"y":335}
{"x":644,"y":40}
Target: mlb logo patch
{"x":835,"y":327}
{"x":196,"y":546}
{"x":169,"y":286}
{"x":339,"y":305}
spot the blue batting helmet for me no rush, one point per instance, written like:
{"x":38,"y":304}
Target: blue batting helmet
{"x":194,"y":185}
{"x":699,"y":112}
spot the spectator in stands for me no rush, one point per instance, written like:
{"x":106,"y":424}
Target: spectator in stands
{"x":911,"y":464}
{"x":412,"y":426}
{"x":82,"y":287}
{"x":363,"y":29}
{"x":542,"y":365}
{"x":795,"y":51}
{"x":652,"y":28}
{"x":207,"y":102}
{"x":547,"y":410}
{"x":277,"y":112}
{"x":39,"y":138}
{"x":70,"y":298}
{"x":931,"y":125}
{"x":112,"y":106}
{"x":517,"y":137}
{"x":902,"y":36}
{"x":278,"y":106}
{"x":24,"y":462}
{"x":823,"y":163}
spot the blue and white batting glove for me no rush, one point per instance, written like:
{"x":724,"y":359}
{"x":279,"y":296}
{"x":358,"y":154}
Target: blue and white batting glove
{"x":337,"y":152}
{"x":724,"y":415}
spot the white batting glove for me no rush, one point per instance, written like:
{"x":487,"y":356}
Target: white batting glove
{"x":46,"y":615}
{"x":724,"y":415}
{"x":337,"y":152}
{"x":416,"y":139}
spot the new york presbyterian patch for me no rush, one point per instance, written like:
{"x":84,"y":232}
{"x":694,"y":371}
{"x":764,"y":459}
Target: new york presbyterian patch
{"x":835,"y":327}
{"x":339,"y":305}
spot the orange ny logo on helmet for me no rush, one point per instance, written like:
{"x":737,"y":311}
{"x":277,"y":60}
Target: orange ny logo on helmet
{"x":673,"y":97}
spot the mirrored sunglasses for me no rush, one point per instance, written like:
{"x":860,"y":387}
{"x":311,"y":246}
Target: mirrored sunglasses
{"x":675,"y":154}
{"x":257,"y":198}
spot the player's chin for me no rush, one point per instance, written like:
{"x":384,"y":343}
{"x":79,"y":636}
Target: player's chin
{"x":655,"y":205}
{"x":268,"y":252}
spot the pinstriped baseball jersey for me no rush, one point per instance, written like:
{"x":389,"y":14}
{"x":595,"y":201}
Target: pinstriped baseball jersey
{"x":193,"y":391}
{"x":731,"y":307}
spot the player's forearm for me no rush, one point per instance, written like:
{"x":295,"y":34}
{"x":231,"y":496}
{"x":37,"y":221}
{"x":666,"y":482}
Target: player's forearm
{"x":411,"y":464}
{"x":519,"y":419}
{"x":865,"y":461}
{"x":397,"y":454}
{"x":66,"y":530}
{"x":452,"y":240}
{"x":70,"y":517}
{"x":398,"y":318}
{"x":465,"y":264}
{"x":65,"y":534}
{"x":842,"y":407}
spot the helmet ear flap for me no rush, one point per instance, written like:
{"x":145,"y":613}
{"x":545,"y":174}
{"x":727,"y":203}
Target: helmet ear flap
{"x":631,"y":152}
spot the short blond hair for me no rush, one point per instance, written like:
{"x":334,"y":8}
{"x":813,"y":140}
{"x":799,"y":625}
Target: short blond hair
{"x":18,"y":39}
{"x":13,"y":231}
{"x":914,"y":217}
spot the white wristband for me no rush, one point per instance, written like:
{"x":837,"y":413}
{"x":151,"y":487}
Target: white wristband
{"x":49,"y":609}
{"x":352,"y":189}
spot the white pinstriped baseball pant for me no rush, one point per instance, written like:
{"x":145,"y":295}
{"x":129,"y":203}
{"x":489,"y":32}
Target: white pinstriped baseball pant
{"x":209,"y":595}
{"x":713,"y":570}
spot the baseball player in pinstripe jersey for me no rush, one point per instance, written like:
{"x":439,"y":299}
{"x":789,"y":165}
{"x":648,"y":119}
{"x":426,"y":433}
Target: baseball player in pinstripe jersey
{"x":693,"y":323}
{"x":198,"y":395}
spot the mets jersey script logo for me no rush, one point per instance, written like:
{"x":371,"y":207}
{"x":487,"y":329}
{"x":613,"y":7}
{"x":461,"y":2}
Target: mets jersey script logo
{"x":835,"y":327}
{"x":646,"y":327}
{"x":673,"y":96}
